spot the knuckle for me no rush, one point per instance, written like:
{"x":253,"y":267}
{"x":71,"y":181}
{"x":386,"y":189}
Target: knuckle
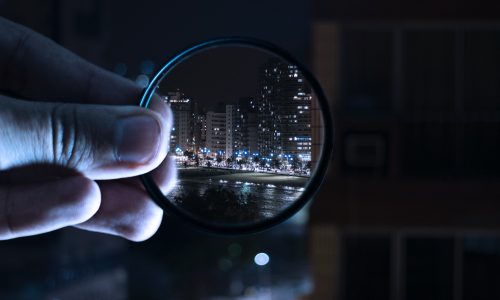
{"x":68,"y":136}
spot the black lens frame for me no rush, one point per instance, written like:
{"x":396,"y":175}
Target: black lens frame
{"x":314,"y":182}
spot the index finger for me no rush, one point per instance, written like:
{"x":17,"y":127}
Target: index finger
{"x":34,"y":67}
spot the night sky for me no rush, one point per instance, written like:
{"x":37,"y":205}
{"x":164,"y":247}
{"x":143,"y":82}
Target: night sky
{"x":223,"y":74}
{"x":160,"y":29}
{"x":132,"y":33}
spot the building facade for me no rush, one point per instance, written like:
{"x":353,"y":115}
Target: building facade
{"x":216,"y":133}
{"x":284,"y":106}
{"x":241,"y":128}
{"x":415,"y":176}
{"x":182,"y":134}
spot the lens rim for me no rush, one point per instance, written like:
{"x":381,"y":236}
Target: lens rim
{"x":314,"y":182}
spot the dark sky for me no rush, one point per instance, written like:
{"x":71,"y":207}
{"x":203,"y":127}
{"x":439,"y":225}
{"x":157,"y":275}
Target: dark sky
{"x":223,"y":74}
{"x":160,"y":29}
{"x":155,"y":30}
{"x":132,"y":32}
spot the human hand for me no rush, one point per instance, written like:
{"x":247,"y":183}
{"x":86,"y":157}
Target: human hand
{"x":72,"y":141}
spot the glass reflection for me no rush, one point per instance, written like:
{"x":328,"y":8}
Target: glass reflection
{"x":246,"y":134}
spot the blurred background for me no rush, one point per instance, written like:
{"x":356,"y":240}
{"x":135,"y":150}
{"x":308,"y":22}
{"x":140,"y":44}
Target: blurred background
{"x":410,"y":208}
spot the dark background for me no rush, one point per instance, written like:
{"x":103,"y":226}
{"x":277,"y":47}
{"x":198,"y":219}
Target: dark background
{"x":222,"y":75}
{"x":410,"y":209}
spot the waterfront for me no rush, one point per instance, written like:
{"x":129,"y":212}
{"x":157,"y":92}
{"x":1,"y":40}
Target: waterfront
{"x":224,"y":195}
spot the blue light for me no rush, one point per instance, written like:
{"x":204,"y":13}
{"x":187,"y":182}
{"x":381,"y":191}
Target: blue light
{"x":261,"y":259}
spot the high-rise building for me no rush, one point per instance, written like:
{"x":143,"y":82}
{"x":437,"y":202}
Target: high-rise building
{"x":295,"y":114}
{"x":284,"y":115}
{"x":182,"y":134}
{"x":241,"y":128}
{"x":267,"y":137}
{"x":200,"y":131}
{"x":251,"y":112}
{"x":232,"y":132}
{"x":216,"y":133}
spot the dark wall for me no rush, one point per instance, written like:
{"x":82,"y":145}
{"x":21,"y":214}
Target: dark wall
{"x":407,"y":10}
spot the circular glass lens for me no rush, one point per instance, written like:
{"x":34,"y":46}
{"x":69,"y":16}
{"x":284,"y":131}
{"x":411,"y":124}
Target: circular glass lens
{"x":248,"y":135}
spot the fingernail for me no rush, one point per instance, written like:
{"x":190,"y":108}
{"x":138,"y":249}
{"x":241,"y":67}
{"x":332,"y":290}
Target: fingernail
{"x":138,"y":139}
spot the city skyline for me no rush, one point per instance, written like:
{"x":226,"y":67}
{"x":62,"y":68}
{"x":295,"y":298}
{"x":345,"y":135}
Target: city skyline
{"x":275,"y":124}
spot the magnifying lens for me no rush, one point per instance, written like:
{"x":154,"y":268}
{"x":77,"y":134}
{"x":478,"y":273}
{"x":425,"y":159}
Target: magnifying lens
{"x":252,"y":135}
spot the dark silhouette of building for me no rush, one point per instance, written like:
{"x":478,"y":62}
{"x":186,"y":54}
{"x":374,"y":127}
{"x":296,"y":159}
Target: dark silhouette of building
{"x":200,"y":130}
{"x":409,"y":209}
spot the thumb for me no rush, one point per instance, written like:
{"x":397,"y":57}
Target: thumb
{"x":100,"y":141}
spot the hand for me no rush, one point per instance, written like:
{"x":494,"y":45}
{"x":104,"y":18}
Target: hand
{"x":71,"y":141}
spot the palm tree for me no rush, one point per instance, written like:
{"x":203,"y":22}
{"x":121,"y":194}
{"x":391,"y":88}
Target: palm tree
{"x":219,"y":160}
{"x":276,"y":163}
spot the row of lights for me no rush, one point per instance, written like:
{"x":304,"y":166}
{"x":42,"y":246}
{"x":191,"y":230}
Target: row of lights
{"x":179,"y":151}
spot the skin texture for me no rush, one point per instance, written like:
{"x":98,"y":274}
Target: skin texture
{"x":72,"y":141}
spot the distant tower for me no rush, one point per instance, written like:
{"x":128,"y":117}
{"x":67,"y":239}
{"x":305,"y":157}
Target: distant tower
{"x":182,"y":135}
{"x":200,"y":130}
{"x":216,"y":133}
{"x":231,"y":130}
{"x":284,"y":118}
{"x":250,"y":111}
{"x":241,"y":127}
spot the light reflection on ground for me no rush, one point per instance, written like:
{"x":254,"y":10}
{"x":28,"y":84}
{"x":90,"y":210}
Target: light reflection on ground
{"x":257,"y":195}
